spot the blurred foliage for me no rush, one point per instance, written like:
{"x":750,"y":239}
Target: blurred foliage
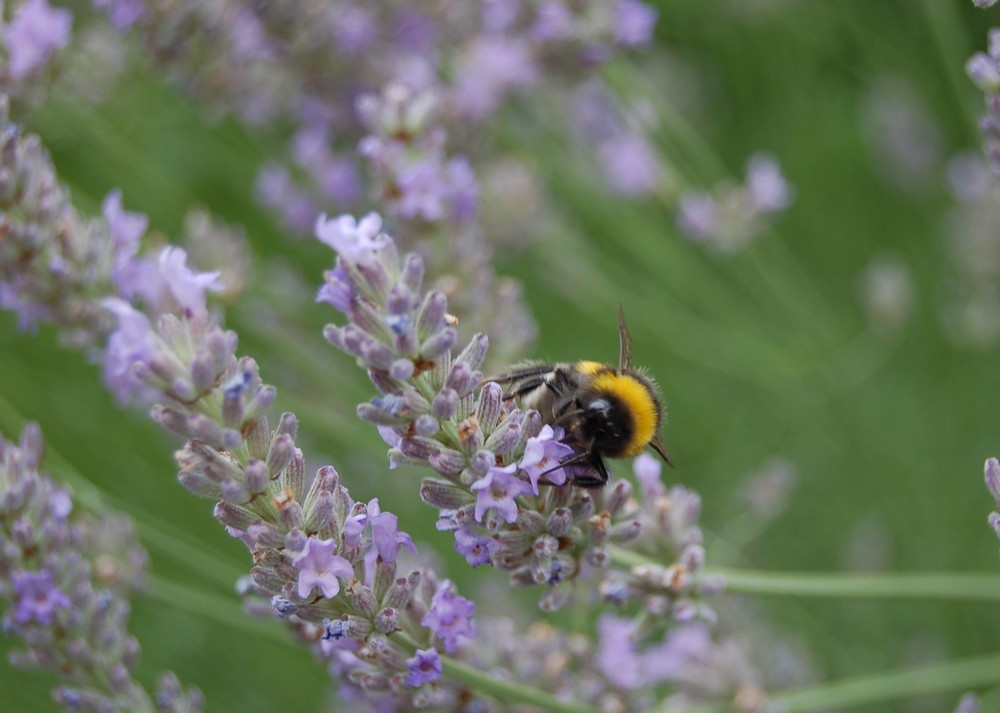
{"x":760,"y":354}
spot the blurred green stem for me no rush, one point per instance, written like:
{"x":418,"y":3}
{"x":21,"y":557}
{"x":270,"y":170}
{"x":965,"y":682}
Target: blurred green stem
{"x":877,"y":688}
{"x":902,"y":585}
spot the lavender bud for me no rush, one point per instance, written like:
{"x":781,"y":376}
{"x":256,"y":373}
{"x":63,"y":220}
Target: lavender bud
{"x":281,"y":453}
{"x":625,"y":531}
{"x":507,"y":436}
{"x":199,"y":485}
{"x":545,"y":546}
{"x":582,"y":507}
{"x":493,"y":521}
{"x":233,"y":491}
{"x":426,"y":425}
{"x":260,"y":403}
{"x":387,"y":621}
{"x":399,"y":594}
{"x":258,"y":438}
{"x":283,"y":606}
{"x":256,"y":476}
{"x":470,"y":434}
{"x":320,"y":512}
{"x":362,"y":598}
{"x":489,"y":407}
{"x":461,"y":379}
{"x":413,"y":273}
{"x":264,"y":534}
{"x":597,"y":557}
{"x":235,"y":516}
{"x":448,"y":462}
{"x":443,"y":494}
{"x":532,"y":425}
{"x":482,"y":461}
{"x":293,"y":476}
{"x":438,"y":344}
{"x":384,"y":411}
{"x":474,"y":354}
{"x":430,"y":317}
{"x":401,"y":369}
{"x":556,"y":597}
{"x":560,"y":522}
{"x":619,"y":496}
{"x":24,"y":534}
{"x":531,"y":521}
{"x":385,"y":575}
{"x":290,"y":515}
{"x":400,"y":301}
{"x":445,"y":405}
{"x":418,"y":447}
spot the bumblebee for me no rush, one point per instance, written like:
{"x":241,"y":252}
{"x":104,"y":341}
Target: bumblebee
{"x":604,"y":412}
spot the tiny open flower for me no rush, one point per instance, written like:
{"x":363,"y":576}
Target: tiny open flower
{"x":473,"y":546}
{"x":321,"y":568}
{"x":38,"y":598}
{"x":542,"y":455}
{"x":768,"y":190}
{"x":425,"y":667}
{"x":386,"y":533}
{"x":450,"y":617}
{"x":185,"y":286}
{"x":497,"y":490}
{"x":134,"y":341}
{"x":354,"y":240}
{"x":36,"y":32}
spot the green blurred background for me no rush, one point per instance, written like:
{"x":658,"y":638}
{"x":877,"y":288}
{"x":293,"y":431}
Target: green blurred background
{"x":762,"y":354}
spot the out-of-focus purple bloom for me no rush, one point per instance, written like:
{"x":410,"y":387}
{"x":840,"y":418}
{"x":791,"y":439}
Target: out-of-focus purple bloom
{"x":617,"y":657}
{"x":473,"y":546}
{"x":355,"y":27}
{"x":767,"y":188}
{"x":992,"y":476}
{"x":424,"y":189}
{"x":121,"y":13}
{"x":185,"y":286}
{"x":319,"y":567}
{"x":36,"y":32}
{"x":554,"y":22}
{"x":491,"y":68}
{"x":37,"y":596}
{"x":698,"y":215}
{"x":647,"y":471}
{"x":497,"y":490}
{"x":274,"y":188}
{"x":425,"y":667}
{"x":353,"y":240}
{"x":685,"y":645}
{"x":450,"y":617}
{"x":969,"y":703}
{"x":631,"y":165}
{"x":542,"y":454}
{"x":634,"y":23}
{"x":134,"y":341}
{"x":125,"y":228}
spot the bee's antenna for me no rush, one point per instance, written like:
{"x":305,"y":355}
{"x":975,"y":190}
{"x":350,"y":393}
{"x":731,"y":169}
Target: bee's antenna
{"x":624,"y":342}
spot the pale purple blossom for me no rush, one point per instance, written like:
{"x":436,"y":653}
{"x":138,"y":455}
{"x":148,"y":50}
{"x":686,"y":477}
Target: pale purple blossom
{"x":497,"y":490}
{"x":319,"y":567}
{"x":554,"y":22}
{"x":634,"y":23}
{"x":36,"y":32}
{"x":630,"y":163}
{"x":121,"y":13}
{"x":38,"y":598}
{"x":685,"y":645}
{"x":617,"y":655}
{"x":542,"y":455}
{"x":355,"y":241}
{"x":338,"y":290}
{"x":450,"y":617}
{"x":472,"y":545}
{"x":698,"y":215}
{"x":133,"y":342}
{"x":387,"y":536}
{"x":425,"y":667}
{"x":647,"y":471}
{"x":491,"y":68}
{"x":185,"y":286}
{"x":766,"y":187}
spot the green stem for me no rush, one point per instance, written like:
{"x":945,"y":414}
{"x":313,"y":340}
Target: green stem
{"x":877,"y":688}
{"x":968,"y":586}
{"x":505,"y":691}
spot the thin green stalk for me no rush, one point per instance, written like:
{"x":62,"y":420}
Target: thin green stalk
{"x":880,"y":687}
{"x":967,"y":586}
{"x":505,"y":691}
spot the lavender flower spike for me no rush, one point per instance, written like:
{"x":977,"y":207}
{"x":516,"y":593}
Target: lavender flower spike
{"x":65,"y":582}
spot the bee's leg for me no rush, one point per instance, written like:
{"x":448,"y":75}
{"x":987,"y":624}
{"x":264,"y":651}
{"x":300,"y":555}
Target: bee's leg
{"x":596,"y":477}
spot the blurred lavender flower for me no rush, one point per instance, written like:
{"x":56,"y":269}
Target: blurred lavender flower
{"x":65,"y":583}
{"x":730,"y":217}
{"x":983,"y":69}
{"x":490,"y":456}
{"x":36,"y":32}
{"x":969,"y":703}
{"x":984,"y":3}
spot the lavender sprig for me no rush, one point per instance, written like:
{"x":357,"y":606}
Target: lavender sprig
{"x":65,"y":582}
{"x":983,"y":69}
{"x":490,"y":455}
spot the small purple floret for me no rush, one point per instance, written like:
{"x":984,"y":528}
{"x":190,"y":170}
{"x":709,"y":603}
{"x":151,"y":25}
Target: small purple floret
{"x":542,"y":454}
{"x":450,"y":617}
{"x":321,"y":568}
{"x":425,"y":667}
{"x":497,"y":490}
{"x":37,"y":597}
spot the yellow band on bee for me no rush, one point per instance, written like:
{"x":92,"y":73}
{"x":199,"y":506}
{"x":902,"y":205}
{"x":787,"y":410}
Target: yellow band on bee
{"x":639,"y":403}
{"x":589,"y":368}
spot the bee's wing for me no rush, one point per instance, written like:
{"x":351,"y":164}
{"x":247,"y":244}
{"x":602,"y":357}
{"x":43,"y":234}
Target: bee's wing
{"x":624,"y":342}
{"x":522,"y":379}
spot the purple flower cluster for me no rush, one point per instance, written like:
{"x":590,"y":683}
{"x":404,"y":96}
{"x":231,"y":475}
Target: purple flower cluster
{"x":36,"y":32}
{"x":65,"y":582}
{"x":730,"y":217}
{"x":983,"y":69}
{"x":492,"y":458}
{"x":992,"y":473}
